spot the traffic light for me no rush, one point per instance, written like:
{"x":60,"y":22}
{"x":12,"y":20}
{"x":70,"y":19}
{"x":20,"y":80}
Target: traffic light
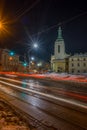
{"x":11,"y":53}
{"x":25,"y":64}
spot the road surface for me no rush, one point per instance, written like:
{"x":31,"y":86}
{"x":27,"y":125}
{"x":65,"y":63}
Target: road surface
{"x":58,"y":105}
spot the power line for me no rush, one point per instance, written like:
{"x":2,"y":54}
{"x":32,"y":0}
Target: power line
{"x":27,"y":10}
{"x":62,"y":23}
{"x":21,"y":12}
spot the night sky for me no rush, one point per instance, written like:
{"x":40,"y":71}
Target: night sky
{"x":29,"y":21}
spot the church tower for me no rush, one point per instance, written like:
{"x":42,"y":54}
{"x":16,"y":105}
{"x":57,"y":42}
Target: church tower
{"x":59,"y":59}
{"x":59,"y":48}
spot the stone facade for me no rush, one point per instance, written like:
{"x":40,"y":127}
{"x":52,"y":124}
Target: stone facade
{"x":62,"y":62}
{"x":78,"y":63}
{"x":8,"y":62}
{"x":58,"y":60}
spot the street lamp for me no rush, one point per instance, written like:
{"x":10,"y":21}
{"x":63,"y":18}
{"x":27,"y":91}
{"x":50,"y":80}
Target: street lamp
{"x":32,"y":58}
{"x":35,"y":45}
{"x":0,"y":25}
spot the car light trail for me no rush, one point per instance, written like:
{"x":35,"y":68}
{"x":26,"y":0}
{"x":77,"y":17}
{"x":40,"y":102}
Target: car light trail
{"x":12,"y":80}
{"x":47,"y":95}
{"x":58,"y":77}
{"x":72,"y":94}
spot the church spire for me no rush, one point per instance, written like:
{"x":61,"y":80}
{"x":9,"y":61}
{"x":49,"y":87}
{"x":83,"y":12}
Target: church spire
{"x":59,"y":37}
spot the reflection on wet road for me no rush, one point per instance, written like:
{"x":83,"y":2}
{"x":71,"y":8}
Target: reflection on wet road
{"x":55,"y":99}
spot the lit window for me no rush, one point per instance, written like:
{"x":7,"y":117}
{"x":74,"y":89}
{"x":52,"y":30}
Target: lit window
{"x":10,"y":58}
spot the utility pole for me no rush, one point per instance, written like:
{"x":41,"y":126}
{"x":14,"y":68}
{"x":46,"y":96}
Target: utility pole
{"x":25,"y":58}
{"x":25,"y":62}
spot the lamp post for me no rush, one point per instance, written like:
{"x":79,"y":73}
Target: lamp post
{"x":34,"y":46}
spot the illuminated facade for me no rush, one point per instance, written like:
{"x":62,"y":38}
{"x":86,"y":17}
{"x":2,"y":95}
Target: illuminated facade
{"x":78,"y":63}
{"x":59,"y":59}
{"x":8,"y":62}
{"x":61,"y":62}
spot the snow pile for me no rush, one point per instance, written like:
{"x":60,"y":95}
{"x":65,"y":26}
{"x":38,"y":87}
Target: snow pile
{"x":68,"y":77}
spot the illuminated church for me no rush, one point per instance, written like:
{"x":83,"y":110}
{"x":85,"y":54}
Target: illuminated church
{"x":59,"y":59}
{"x":62,"y":62}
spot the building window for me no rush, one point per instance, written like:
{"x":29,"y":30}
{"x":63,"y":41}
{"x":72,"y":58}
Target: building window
{"x":58,"y":48}
{"x":78,"y":64}
{"x":72,"y":59}
{"x":84,"y":64}
{"x":78,"y":59}
{"x":72,"y":64}
{"x":72,"y":70}
{"x":84,"y":59}
{"x":66,"y":63}
{"x":84,"y":71}
{"x":78,"y":71}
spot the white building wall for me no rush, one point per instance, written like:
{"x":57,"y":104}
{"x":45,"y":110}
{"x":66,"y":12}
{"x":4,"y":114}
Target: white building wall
{"x":61,"y":54}
{"x":78,"y":64}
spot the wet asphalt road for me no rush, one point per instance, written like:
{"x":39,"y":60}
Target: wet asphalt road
{"x":64,"y":104}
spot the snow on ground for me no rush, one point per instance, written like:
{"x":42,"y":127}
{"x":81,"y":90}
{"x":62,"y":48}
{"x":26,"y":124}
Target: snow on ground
{"x":68,"y":77}
{"x":53,"y":76}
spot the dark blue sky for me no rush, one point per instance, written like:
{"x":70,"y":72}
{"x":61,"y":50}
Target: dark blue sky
{"x":28,"y":18}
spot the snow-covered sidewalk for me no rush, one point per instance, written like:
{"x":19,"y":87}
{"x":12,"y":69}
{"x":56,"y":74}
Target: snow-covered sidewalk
{"x":66,"y":77}
{"x":10,"y":120}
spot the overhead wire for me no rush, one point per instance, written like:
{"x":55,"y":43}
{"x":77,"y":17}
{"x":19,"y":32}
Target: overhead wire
{"x":62,"y":23}
{"x":21,"y":12}
{"x":26,"y":10}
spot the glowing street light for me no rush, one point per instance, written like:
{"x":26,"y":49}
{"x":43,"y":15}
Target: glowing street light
{"x":10,"y":58}
{"x":32,"y":58}
{"x":4,"y":28}
{"x":0,"y":25}
{"x":35,"y":45}
{"x":39,"y":64}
